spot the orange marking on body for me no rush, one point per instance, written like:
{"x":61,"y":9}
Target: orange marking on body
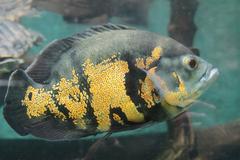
{"x":118,"y":119}
{"x":147,"y":86}
{"x":107,"y":86}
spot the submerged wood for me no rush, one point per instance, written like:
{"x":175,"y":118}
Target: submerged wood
{"x":182,"y":27}
{"x":97,"y":11}
{"x":181,"y":136}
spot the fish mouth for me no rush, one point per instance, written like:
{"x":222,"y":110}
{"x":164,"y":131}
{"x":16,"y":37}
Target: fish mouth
{"x":209,"y":76}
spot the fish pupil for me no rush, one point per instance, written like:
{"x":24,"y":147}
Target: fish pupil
{"x":192,"y":63}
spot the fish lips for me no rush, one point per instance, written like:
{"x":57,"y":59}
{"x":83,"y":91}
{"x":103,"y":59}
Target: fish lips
{"x":209,"y":76}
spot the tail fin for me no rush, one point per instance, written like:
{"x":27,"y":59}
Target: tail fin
{"x":46,"y":126}
{"x":13,"y":111}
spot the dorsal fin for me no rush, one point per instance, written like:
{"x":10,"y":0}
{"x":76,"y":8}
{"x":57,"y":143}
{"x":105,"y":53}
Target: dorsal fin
{"x":100,"y":29}
{"x":40,"y":69}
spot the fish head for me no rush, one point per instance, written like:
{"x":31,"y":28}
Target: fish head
{"x":180,"y":78}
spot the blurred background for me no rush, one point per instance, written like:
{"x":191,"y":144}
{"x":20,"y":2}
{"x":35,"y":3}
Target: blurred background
{"x":217,"y":38}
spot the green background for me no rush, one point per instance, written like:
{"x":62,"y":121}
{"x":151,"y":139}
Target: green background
{"x":217,"y":37}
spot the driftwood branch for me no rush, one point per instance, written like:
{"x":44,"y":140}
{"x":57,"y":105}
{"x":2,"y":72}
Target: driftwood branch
{"x":181,"y":28}
{"x":97,"y":11}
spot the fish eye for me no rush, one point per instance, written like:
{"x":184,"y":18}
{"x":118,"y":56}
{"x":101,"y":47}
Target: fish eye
{"x":190,"y":62}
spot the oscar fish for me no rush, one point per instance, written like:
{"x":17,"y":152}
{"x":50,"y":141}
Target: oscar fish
{"x":106,"y":79}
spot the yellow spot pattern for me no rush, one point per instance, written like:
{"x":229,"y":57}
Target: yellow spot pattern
{"x":178,"y":97}
{"x":66,"y":93}
{"x":156,"y":54}
{"x":140,"y":63}
{"x":147,"y":87}
{"x":147,"y":94}
{"x":74,"y":100}
{"x":174,"y":98}
{"x":174,"y":74}
{"x":118,"y":119}
{"x":107,"y":86}
{"x":39,"y":103}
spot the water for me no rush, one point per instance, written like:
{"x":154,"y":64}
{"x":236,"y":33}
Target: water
{"x":217,"y":38}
